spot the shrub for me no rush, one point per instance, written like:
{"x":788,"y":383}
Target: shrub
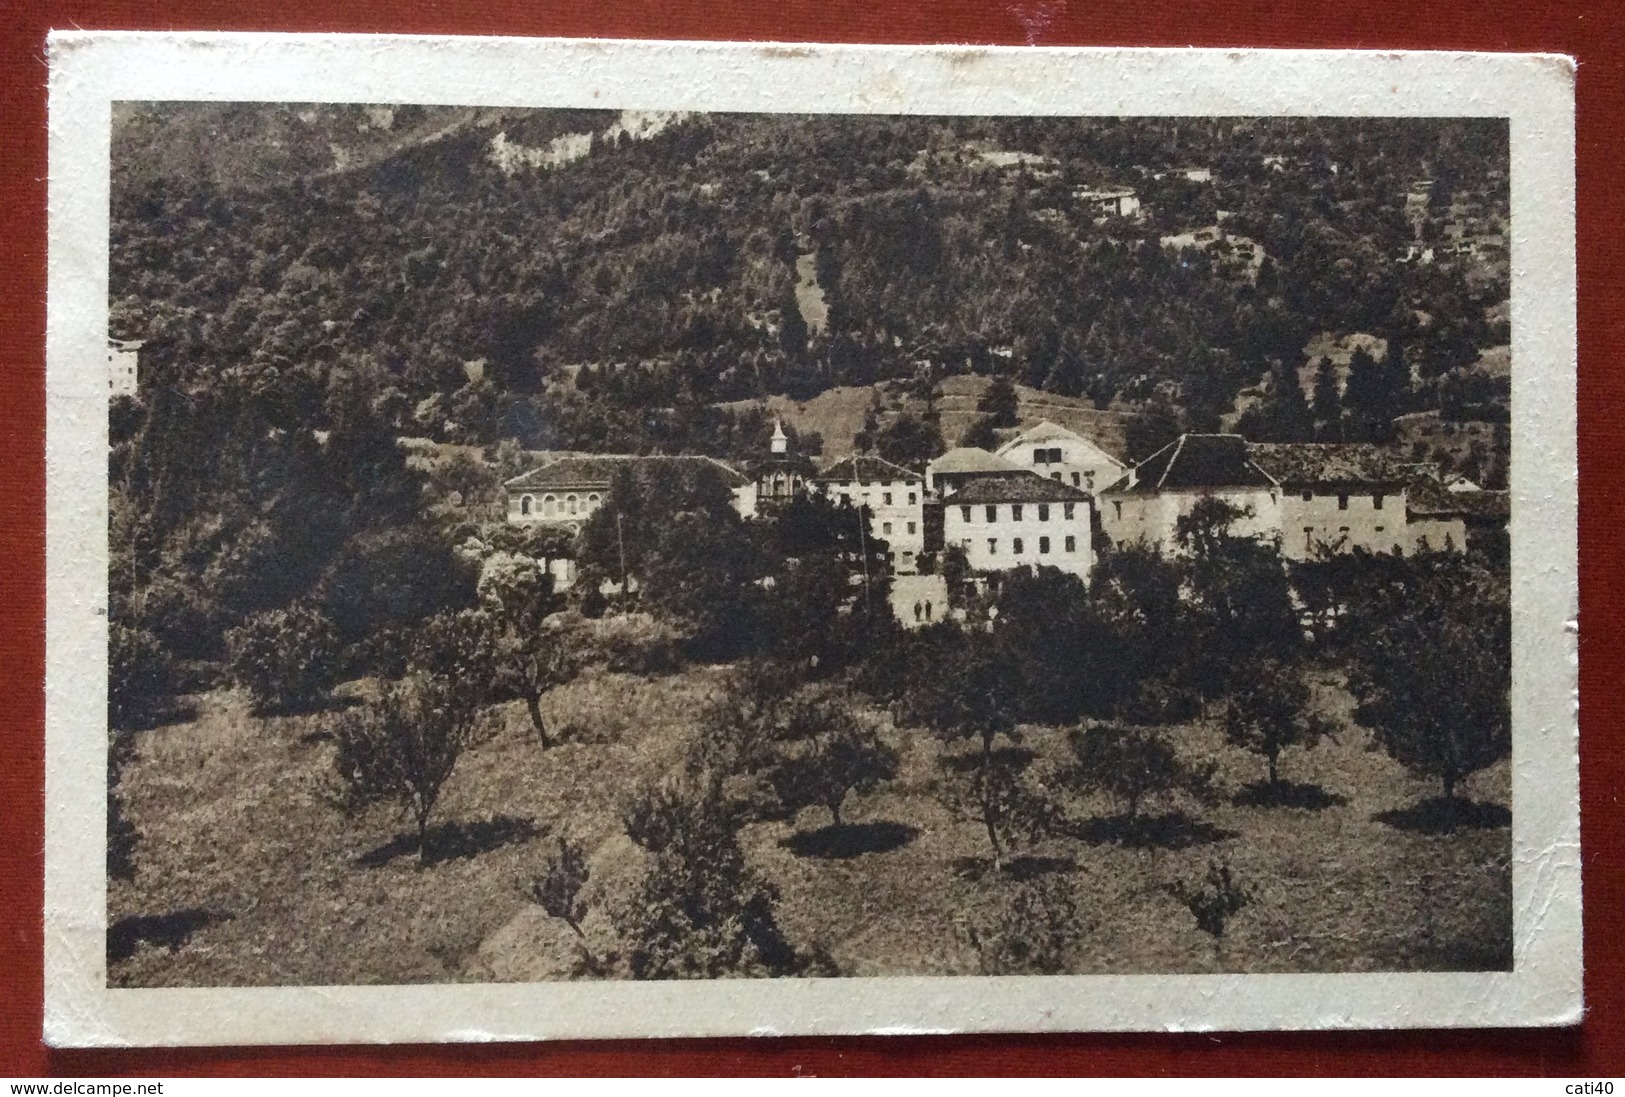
{"x":828,"y":750}
{"x":404,"y":747}
{"x":1033,"y":929}
{"x":700,"y":911}
{"x":559,"y":890}
{"x":140,"y":677}
{"x":1268,"y":711}
{"x":286,"y":659}
{"x":1132,"y":764}
{"x":1214,"y":900}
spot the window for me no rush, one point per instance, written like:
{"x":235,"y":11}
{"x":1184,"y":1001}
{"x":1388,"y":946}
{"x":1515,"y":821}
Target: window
{"x":571,"y":504}
{"x":1342,"y":529}
{"x":992,"y":513}
{"x":1379,"y":529}
{"x":1055,"y":476}
{"x":1308,"y":538}
{"x":1089,"y":478}
{"x":1343,"y":501}
{"x":911,"y":527}
{"x":1040,"y":456}
{"x":911,"y":498}
{"x":1068,"y":509}
{"x":1308,"y":495}
{"x":1043,"y":512}
{"x":964,"y":514}
{"x":1017,"y":546}
{"x":593,"y":499}
{"x":1055,"y":456}
{"x":885,"y":528}
{"x":550,"y":506}
{"x":524,"y":505}
{"x":992,"y":546}
{"x":888,"y":498}
{"x":1376,"y":501}
{"x":1015,"y":512}
{"x":1071,"y":543}
{"x":1043,"y":545}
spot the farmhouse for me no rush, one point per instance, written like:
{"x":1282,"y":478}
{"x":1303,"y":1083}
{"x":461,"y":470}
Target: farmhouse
{"x":1147,"y":503}
{"x":1060,"y":454}
{"x":567,"y":491}
{"x":1111,"y":202}
{"x":1335,"y":498}
{"x":895,"y":497}
{"x":963,"y":464}
{"x":1004,"y":522}
{"x":1438,"y":516}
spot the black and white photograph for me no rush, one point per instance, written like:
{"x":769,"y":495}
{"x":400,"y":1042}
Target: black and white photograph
{"x":618,"y":544}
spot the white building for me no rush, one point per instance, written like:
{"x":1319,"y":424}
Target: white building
{"x":1113,"y":202}
{"x":895,"y":497}
{"x":1145,"y":505}
{"x":1021,"y":521}
{"x":123,"y":362}
{"x":1057,"y":453}
{"x":567,"y":491}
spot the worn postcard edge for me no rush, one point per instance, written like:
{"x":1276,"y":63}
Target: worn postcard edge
{"x":91,"y":70}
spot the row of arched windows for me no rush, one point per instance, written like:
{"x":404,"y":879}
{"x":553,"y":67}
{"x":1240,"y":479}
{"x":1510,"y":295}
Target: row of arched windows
{"x":552,"y":506}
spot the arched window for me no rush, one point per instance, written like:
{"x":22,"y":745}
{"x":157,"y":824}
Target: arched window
{"x":550,"y":506}
{"x":570,"y":503}
{"x":592,"y":501}
{"x":524,"y":505}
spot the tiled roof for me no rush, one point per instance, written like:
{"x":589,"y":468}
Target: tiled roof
{"x":1194,"y":462}
{"x":598,"y":470}
{"x":1306,"y":463}
{"x":862,"y":468}
{"x":1030,"y":488}
{"x":970,"y":459}
{"x":1427,"y":498}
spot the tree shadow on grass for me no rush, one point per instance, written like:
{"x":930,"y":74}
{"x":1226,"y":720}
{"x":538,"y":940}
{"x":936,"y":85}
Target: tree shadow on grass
{"x":1175,"y":830}
{"x":169,"y":931}
{"x":1287,"y":794}
{"x":451,"y":841}
{"x":1444,"y":816}
{"x":846,"y":840}
{"x":1021,"y":869}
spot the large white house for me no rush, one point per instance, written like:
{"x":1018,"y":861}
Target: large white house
{"x":1145,"y":506}
{"x":1336,"y":497}
{"x":1004,"y":522}
{"x":895,"y":497}
{"x":1055,"y":452}
{"x":568,"y":490}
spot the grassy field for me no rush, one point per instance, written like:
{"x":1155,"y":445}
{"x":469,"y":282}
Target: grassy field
{"x":248,"y":874}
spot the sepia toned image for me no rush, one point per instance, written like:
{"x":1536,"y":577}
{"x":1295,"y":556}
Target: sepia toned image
{"x":620,"y":544}
{"x":1068,"y":540}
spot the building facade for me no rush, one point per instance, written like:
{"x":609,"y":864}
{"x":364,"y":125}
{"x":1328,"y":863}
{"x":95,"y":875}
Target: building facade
{"x":567,"y":491}
{"x":1057,"y":453}
{"x":1336,"y":498}
{"x":895,"y":497}
{"x":1145,"y":506}
{"x":1005,"y":522}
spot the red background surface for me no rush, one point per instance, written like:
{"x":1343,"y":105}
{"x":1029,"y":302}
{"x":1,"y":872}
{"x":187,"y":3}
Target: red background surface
{"x":1592,"y":32}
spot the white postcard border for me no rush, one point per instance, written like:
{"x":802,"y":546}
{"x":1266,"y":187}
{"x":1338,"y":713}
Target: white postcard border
{"x":91,"y":70}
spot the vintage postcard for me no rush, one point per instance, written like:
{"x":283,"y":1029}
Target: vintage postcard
{"x":579,"y":539}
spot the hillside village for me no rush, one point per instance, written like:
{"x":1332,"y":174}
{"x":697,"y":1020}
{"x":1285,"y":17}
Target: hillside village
{"x":1049,"y":497}
{"x":620,"y":544}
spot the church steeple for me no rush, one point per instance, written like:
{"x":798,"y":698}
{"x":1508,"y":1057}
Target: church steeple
{"x":781,"y":441}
